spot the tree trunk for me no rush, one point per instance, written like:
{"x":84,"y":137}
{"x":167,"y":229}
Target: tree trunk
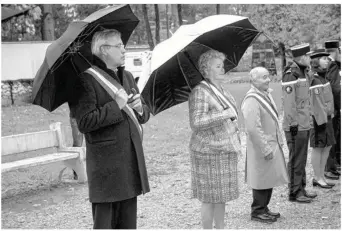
{"x":217,"y":8}
{"x":167,"y":21}
{"x":148,"y":28}
{"x":282,"y":56}
{"x":179,"y":9}
{"x":48,"y":27}
{"x":156,"y":10}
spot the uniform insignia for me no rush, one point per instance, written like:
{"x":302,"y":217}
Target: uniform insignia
{"x":316,"y":91}
{"x":288,"y":89}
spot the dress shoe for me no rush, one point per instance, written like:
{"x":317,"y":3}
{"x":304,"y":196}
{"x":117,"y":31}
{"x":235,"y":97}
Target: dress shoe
{"x":310,"y":195}
{"x":330,"y":184}
{"x":335,"y":172}
{"x":273,"y":214}
{"x":301,"y":199}
{"x":331,"y":176}
{"x":315,"y":183}
{"x":265,"y":218}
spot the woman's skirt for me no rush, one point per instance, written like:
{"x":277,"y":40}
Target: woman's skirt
{"x":214,"y":176}
{"x":322,"y":136}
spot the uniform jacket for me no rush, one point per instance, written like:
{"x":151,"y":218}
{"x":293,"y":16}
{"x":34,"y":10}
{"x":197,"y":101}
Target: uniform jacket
{"x":114,"y":154}
{"x":213,"y":131}
{"x":263,"y":137}
{"x":334,"y":77}
{"x":296,"y":97}
{"x":322,"y":100}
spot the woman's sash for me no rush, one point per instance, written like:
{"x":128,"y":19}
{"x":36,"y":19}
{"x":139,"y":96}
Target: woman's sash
{"x":112,"y":87}
{"x":222,"y":98}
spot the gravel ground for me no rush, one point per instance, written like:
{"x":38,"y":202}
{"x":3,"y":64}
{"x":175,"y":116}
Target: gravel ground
{"x":168,"y":205}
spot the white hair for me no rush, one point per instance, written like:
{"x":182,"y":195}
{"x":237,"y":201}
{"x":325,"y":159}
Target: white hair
{"x":205,"y":58}
{"x":100,"y":38}
{"x":256,"y":72}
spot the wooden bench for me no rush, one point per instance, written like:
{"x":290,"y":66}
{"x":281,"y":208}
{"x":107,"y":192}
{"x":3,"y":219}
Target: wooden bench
{"x":72,"y":157}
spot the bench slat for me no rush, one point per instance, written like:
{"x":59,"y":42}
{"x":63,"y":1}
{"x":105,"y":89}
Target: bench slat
{"x":28,"y":142}
{"x":40,"y":160}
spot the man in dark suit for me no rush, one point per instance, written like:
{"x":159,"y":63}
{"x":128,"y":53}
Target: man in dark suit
{"x":110,"y":121}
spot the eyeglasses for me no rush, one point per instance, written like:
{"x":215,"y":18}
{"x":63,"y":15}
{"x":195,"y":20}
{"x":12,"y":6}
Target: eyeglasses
{"x":119,"y":46}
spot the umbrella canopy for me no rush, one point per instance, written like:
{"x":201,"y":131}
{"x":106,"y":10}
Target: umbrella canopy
{"x":70,"y":54}
{"x":174,"y":61}
{"x":8,"y":13}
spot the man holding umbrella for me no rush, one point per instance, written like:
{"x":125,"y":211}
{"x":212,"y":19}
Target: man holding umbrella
{"x":83,"y":68}
{"x":111,"y":124}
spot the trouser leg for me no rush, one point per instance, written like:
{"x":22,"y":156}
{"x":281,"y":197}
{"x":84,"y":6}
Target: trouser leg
{"x":128,"y":214}
{"x":298,"y":151}
{"x":335,"y":151}
{"x":261,"y":198}
{"x":115,"y":215}
{"x":103,"y":215}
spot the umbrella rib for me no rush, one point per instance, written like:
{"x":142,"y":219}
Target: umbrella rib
{"x":88,"y":32}
{"x":255,"y":30}
{"x":186,"y":80}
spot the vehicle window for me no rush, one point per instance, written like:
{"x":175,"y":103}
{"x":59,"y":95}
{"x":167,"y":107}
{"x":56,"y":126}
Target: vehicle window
{"x":137,"y":62}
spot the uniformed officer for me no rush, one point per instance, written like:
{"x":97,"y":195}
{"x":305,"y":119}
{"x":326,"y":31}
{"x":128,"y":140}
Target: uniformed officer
{"x":296,"y":122}
{"x":333,"y":165}
{"x":322,"y":105}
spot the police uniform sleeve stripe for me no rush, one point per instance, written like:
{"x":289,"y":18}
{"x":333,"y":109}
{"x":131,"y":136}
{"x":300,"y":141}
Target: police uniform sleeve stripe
{"x":288,"y":83}
{"x":301,"y":80}
{"x":319,"y":85}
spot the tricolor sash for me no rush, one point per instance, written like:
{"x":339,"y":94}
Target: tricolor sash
{"x":266,"y":104}
{"x":112,"y":87}
{"x":223,"y":99}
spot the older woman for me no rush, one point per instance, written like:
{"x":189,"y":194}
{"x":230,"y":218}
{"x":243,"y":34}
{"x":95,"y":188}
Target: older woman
{"x":322,"y":133}
{"x":214,"y":144}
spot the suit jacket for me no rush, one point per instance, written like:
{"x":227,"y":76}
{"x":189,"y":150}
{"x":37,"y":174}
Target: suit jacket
{"x":263,"y":137}
{"x":213,"y":131}
{"x":114,"y":158}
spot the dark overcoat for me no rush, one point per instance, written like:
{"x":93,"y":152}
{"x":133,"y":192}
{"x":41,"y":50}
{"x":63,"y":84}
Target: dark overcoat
{"x":334,"y":77}
{"x":115,"y":160}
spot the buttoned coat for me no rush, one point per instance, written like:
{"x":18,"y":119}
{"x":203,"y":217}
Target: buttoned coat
{"x":213,"y":131}
{"x":115,"y":160}
{"x":263,"y":137}
{"x":214,"y":146}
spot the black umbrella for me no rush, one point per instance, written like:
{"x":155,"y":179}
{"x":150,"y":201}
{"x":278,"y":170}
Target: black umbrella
{"x":70,"y":55}
{"x":174,"y":61}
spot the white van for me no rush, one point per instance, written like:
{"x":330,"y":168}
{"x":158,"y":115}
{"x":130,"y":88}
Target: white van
{"x":134,"y":62}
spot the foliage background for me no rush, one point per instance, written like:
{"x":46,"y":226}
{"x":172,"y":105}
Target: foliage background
{"x":289,"y":23}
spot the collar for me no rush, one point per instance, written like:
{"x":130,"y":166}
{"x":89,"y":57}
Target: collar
{"x":300,"y":66}
{"x":269,"y":90}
